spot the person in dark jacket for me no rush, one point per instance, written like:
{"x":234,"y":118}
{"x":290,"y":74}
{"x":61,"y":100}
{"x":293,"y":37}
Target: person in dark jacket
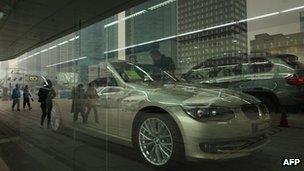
{"x":26,"y":98}
{"x":162,"y":62}
{"x":73,"y":97}
{"x":16,"y":98}
{"x":79,"y":105}
{"x":46,"y":95}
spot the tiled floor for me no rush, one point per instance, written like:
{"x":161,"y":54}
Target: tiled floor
{"x":27,"y":146}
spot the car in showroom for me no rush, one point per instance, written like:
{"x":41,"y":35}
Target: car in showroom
{"x":277,"y":80}
{"x":167,"y":120}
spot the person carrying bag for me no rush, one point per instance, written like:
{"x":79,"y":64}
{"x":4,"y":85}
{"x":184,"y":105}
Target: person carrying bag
{"x":92,"y":101}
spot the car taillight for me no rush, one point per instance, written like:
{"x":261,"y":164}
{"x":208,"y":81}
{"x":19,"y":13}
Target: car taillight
{"x":295,"y":80}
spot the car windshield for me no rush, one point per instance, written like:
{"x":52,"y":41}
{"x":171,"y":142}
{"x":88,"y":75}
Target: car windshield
{"x":139,"y":73}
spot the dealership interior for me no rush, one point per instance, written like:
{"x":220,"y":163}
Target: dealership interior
{"x":151,"y":85}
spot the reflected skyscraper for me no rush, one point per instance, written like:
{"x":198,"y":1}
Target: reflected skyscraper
{"x":158,"y":20}
{"x":224,"y":41}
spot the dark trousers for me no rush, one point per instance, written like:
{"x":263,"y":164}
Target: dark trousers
{"x":95,"y":112}
{"x":76,"y":116}
{"x":26,"y":101}
{"x":78,"y":107}
{"x":46,"y":112}
{"x":16,"y":101}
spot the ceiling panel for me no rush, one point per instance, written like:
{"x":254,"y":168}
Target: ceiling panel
{"x":31,"y":23}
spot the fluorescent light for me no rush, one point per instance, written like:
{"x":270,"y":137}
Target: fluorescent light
{"x":161,"y":4}
{"x":44,"y":50}
{"x":140,"y":12}
{"x":25,"y":58}
{"x":170,"y":37}
{"x":293,"y":9}
{"x":62,"y":43}
{"x":76,"y":37}
{"x":205,"y":29}
{"x":72,"y":39}
{"x":52,"y":47}
{"x":36,"y":53}
{"x":65,"y":62}
{"x":259,"y":17}
{"x":110,"y":24}
{"x":134,"y":15}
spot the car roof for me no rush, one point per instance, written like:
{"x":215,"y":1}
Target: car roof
{"x":212,"y":62}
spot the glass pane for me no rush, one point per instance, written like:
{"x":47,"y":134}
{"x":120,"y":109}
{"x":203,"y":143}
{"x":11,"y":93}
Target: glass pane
{"x":163,"y":82}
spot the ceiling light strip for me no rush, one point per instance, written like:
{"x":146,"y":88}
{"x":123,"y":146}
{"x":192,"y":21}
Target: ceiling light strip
{"x":65,"y":62}
{"x":205,"y":29}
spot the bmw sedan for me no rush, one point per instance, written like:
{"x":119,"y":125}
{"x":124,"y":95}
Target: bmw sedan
{"x":167,"y":120}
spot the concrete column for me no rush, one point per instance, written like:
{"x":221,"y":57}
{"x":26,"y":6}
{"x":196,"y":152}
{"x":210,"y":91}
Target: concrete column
{"x":121,"y":35}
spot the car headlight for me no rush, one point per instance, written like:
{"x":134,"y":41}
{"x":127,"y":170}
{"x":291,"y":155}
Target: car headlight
{"x":209,"y":113}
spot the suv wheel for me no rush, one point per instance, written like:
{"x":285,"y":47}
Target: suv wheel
{"x":158,"y":140}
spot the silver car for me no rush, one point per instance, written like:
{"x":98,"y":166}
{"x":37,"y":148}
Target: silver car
{"x":167,"y":120}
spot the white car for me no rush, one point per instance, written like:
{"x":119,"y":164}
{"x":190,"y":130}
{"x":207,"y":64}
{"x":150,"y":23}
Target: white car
{"x":166,"y":120}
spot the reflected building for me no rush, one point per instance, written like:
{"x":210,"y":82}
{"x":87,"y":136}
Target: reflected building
{"x":195,"y":15}
{"x":279,"y":44}
{"x":158,"y":20}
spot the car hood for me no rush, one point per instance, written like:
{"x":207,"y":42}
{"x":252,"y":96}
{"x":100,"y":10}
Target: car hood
{"x":186,"y":94}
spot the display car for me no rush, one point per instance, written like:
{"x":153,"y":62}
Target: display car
{"x":167,"y":120}
{"x":277,"y":80}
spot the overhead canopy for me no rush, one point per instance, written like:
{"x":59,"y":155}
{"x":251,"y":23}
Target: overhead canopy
{"x":27,"y":24}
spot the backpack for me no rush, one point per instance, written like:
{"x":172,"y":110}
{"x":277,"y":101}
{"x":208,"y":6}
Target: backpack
{"x":15,"y":94}
{"x":43,"y":94}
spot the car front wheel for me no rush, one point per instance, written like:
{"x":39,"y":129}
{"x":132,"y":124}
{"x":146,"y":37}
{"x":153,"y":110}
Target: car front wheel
{"x":158,"y":140}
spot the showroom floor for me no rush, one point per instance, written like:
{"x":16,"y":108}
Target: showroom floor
{"x":24,"y":145}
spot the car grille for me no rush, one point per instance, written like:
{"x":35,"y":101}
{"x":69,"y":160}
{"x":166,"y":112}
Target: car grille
{"x":251,"y":111}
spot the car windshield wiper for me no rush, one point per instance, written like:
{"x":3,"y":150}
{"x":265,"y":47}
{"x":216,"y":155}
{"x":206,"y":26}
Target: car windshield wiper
{"x":144,"y":72}
{"x":170,"y":76}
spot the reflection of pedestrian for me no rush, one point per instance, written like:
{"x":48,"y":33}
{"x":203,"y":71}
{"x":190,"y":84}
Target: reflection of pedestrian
{"x":92,"y":100}
{"x":237,"y":70}
{"x":162,"y":62}
{"x":46,"y":95}
{"x":16,"y":98}
{"x":78,"y":99}
{"x":72,"y":97}
{"x":26,"y":97}
{"x":133,"y":59}
{"x":214,"y":71}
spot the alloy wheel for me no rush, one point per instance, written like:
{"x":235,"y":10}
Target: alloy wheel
{"x":155,"y":141}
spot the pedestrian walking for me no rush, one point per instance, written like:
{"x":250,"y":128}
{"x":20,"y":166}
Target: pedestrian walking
{"x":92,"y":101}
{"x":46,"y":95}
{"x":73,"y":92}
{"x":27,"y":97}
{"x":16,"y":98}
{"x":79,"y":105}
